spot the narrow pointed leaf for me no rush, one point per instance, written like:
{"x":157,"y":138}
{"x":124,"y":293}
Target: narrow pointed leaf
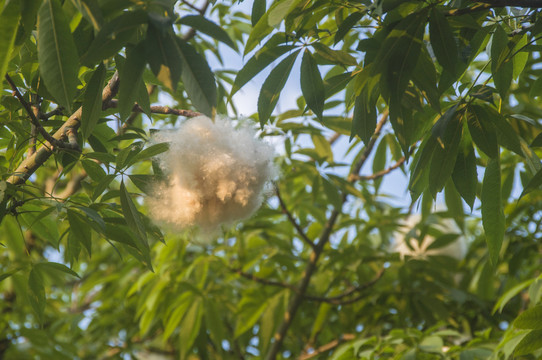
{"x":464,"y":175}
{"x":501,"y":63}
{"x":131,"y":215}
{"x":533,"y":184}
{"x":198,"y":79}
{"x":364,"y":118}
{"x":36,"y":295}
{"x":482,"y":131}
{"x":257,"y":63}
{"x":258,"y":9}
{"x":163,"y":55}
{"x":312,"y":85}
{"x":90,"y":11}
{"x":419,"y":176}
{"x":492,"y":211}
{"x":57,"y":53}
{"x":347,"y":25}
{"x":113,"y":36}
{"x":130,"y":77}
{"x":447,"y":133}
{"x":442,"y":40}
{"x":92,"y":101}
{"x":207,"y":27}
{"x":272,"y":87}
{"x":57,"y":267}
{"x":9,"y":22}
{"x":80,"y":231}
{"x":530,"y":318}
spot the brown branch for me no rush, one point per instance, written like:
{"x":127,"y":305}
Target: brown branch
{"x":58,"y":111}
{"x":334,"y":138}
{"x":380,"y":174}
{"x":327,"y":347}
{"x":339,"y":299}
{"x":32,"y":163}
{"x":156,"y":109}
{"x":317,"y":251}
{"x":512,"y":3}
{"x":369,"y":148}
{"x":292,"y":220}
{"x":263,"y":280}
{"x":52,"y":140}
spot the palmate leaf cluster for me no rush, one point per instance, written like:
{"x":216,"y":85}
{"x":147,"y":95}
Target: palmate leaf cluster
{"x":444,"y":92}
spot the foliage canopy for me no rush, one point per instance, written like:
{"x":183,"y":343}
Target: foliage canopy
{"x":448,"y":92}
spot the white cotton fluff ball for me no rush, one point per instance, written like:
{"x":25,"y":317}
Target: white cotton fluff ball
{"x":216,"y":175}
{"x":419,"y":249}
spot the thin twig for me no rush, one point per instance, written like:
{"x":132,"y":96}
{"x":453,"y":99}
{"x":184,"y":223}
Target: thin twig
{"x":192,"y":32}
{"x":334,"y":138}
{"x":53,"y":141}
{"x":263,"y":280}
{"x":317,"y":251}
{"x":156,"y":109}
{"x":300,"y":230}
{"x":327,"y":347}
{"x":339,"y":299}
{"x":381,"y":173}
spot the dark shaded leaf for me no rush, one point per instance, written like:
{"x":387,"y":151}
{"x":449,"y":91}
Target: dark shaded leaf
{"x":501,"y":63}
{"x":198,"y":79}
{"x":529,"y":344}
{"x":492,"y":210}
{"x":80,"y":231}
{"x":113,"y":36}
{"x":346,"y":25}
{"x":338,"y":57}
{"x":57,"y":53}
{"x":208,"y":27}
{"x":312,"y":85}
{"x":130,"y":77}
{"x":132,"y":217}
{"x":92,"y":101}
{"x":163,"y":55}
{"x":9,"y":22}
{"x":271,"y":88}
{"x":442,"y":40}
{"x":464,"y":175}
{"x":482,"y":131}
{"x":530,"y":318}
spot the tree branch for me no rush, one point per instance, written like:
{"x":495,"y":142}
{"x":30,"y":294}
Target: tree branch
{"x":285,"y":210}
{"x":317,"y":251}
{"x":32,"y":163}
{"x":191,"y":33}
{"x":263,"y":280}
{"x":339,"y":299}
{"x":52,"y":141}
{"x":327,"y":347}
{"x":155,"y":109}
{"x":513,"y":3}
{"x":380,"y":173}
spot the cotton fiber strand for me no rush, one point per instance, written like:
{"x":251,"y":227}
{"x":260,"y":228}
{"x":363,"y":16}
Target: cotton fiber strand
{"x":216,"y":175}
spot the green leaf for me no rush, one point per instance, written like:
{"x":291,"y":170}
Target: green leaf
{"x":509,"y":294}
{"x":364,"y":118}
{"x":312,"y":85}
{"x":36,"y":295}
{"x":130,"y":77}
{"x":492,"y":210}
{"x":529,"y":344}
{"x":425,"y":78}
{"x":280,"y":10}
{"x":501,"y":64}
{"x":272,"y":86}
{"x":530,"y":318}
{"x":102,"y":185}
{"x":258,"y":10}
{"x":175,"y":317}
{"x":213,"y":321}
{"x":9,"y":22}
{"x":198,"y":79}
{"x":447,"y":133}
{"x":190,"y":326}
{"x":442,"y":40}
{"x":57,"y":53}
{"x":144,"y":182}
{"x":346,"y":25}
{"x":339,"y":57}
{"x":464,"y":175}
{"x":520,"y":57}
{"x":90,"y":11}
{"x":113,"y":36}
{"x":482,"y":131}
{"x":163,"y":55}
{"x":257,"y":63}
{"x":57,"y":267}
{"x":207,"y":27}
{"x":419,"y":176}
{"x":132,"y":217}
{"x":151,"y":151}
{"x":251,"y":308}
{"x":259,"y":32}
{"x":93,"y":169}
{"x":533,"y":184}
{"x":80,"y":231}
{"x":92,"y":101}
